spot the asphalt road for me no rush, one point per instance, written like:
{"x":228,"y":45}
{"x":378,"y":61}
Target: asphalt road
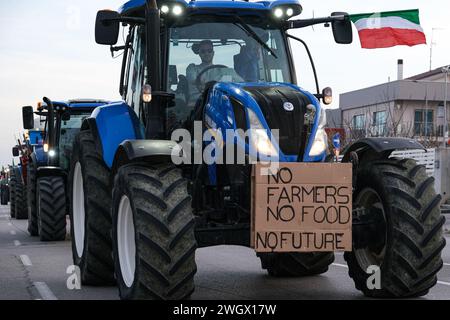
{"x":32,"y":270}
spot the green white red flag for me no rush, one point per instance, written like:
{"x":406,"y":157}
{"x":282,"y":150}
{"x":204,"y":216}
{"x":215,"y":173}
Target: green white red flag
{"x":388,"y":29}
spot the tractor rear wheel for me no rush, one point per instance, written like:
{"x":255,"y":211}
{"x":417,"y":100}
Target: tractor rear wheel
{"x":51,"y":208}
{"x":296,"y":264}
{"x":153,"y":233}
{"x":31,"y":190}
{"x":21,"y":198}
{"x":12,"y":193}
{"x":90,"y":217}
{"x":397,"y":230}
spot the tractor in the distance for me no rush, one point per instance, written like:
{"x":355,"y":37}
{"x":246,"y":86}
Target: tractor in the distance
{"x":48,"y":166}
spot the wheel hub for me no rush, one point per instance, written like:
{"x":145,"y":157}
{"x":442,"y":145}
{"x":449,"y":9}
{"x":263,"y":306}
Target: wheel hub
{"x":370,"y":227}
{"x":126,"y":241}
{"x":78,"y":210}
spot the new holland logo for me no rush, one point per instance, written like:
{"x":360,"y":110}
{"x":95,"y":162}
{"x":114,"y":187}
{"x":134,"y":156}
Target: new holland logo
{"x":288,"y":106}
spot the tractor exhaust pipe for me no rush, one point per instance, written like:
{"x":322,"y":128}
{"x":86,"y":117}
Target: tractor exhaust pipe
{"x":51,"y":125}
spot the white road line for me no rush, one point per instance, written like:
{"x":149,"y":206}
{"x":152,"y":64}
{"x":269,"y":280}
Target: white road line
{"x":44,"y":291}
{"x":26,"y":260}
{"x":446,"y":264}
{"x":444,"y":283}
{"x":17,"y":243}
{"x":13,"y":232}
{"x":9,"y":224}
{"x":340,"y":265}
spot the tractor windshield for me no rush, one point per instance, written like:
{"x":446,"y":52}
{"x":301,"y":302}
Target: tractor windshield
{"x":69,"y":130}
{"x":229,"y":51}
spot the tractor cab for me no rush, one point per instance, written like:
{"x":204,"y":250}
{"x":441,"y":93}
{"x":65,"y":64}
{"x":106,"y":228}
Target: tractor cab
{"x":57,"y":135}
{"x":203,"y":43}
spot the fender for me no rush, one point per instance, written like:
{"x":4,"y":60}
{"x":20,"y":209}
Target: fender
{"x":50,"y":172}
{"x":382,"y":147}
{"x":111,"y":125}
{"x":39,"y":157}
{"x":148,"y":151}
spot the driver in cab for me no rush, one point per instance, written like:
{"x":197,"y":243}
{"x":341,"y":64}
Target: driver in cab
{"x":198,"y":75}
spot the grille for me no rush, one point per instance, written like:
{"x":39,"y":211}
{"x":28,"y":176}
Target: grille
{"x":289,"y":123}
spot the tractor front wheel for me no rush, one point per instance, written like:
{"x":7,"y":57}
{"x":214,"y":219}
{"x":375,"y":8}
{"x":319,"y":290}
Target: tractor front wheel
{"x":397,"y":230}
{"x":4,"y":195}
{"x":296,"y":264}
{"x":12,"y":193}
{"x":51,"y":208}
{"x":33,"y":228}
{"x":153,"y":233}
{"x":21,"y":198}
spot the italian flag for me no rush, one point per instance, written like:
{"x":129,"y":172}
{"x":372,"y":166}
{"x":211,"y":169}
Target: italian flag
{"x":388,"y":29}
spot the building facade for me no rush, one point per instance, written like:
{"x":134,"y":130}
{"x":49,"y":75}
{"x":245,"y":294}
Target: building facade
{"x":412,"y":108}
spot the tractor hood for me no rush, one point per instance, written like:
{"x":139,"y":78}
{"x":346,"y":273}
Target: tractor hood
{"x":278,"y":106}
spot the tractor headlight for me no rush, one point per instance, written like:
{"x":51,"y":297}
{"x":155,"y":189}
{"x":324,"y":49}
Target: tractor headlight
{"x":286,"y":11}
{"x":177,"y":10}
{"x":51,"y":153}
{"x":259,"y":139}
{"x":165,"y":9}
{"x":320,"y":143}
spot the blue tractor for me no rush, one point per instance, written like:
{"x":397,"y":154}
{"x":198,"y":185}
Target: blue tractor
{"x":138,"y":215}
{"x":48,"y":164}
{"x":32,"y":140}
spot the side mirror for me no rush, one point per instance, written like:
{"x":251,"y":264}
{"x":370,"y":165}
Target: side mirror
{"x":28,"y":117}
{"x":66,"y":116}
{"x":107,"y":27}
{"x":15,"y":151}
{"x":342,"y":30}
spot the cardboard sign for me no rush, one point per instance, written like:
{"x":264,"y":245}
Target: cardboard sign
{"x":302,"y":207}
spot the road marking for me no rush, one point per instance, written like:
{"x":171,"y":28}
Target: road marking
{"x":44,"y":291}
{"x":13,"y":232}
{"x":26,"y":260}
{"x":9,"y":224}
{"x":17,"y":243}
{"x":446,"y":264}
{"x":444,"y":283}
{"x":340,"y":265}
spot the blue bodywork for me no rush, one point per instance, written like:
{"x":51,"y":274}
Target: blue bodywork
{"x":116,"y":123}
{"x":41,"y":156}
{"x":264,"y":6}
{"x":37,"y":141}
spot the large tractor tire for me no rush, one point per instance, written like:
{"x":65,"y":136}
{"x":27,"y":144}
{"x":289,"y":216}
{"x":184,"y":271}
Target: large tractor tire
{"x":296,"y":264}
{"x":12,"y":186}
{"x":153,"y":233}
{"x":90,"y":217}
{"x":21,"y":198}
{"x":51,"y":208}
{"x":31,"y":198}
{"x":397,"y":228}
{"x":4,"y":196}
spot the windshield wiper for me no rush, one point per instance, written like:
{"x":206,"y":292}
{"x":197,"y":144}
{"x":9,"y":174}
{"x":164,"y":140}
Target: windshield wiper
{"x":253,"y":34}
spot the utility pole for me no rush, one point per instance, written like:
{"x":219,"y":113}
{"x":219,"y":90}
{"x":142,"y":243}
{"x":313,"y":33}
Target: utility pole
{"x":433,"y":44}
{"x":445,"y":70}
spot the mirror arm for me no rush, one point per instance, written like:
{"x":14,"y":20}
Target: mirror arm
{"x":129,"y":20}
{"x":296,"y":24}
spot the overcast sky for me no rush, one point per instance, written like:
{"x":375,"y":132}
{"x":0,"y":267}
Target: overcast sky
{"x":47,"y":48}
